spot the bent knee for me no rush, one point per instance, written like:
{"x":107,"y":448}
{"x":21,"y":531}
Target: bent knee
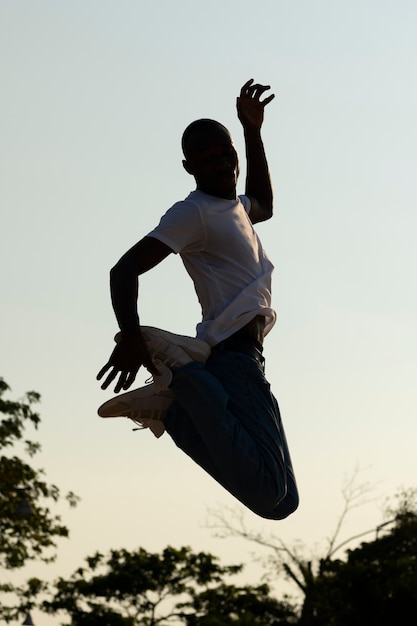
{"x":281,"y":510}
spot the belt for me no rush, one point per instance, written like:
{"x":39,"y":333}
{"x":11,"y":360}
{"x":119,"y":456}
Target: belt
{"x":246,"y":346}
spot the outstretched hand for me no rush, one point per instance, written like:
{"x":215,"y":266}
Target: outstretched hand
{"x":250,"y":109}
{"x":125,"y":361}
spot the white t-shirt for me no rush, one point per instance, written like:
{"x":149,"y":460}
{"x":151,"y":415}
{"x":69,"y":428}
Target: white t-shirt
{"x":225,"y":259}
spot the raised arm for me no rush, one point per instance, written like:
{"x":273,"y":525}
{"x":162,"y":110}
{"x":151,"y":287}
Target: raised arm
{"x":130,"y":352}
{"x":250,"y":111}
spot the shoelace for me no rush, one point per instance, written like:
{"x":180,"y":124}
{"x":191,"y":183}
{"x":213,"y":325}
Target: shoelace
{"x":163,"y":381}
{"x":144,"y":427}
{"x":140,"y":426}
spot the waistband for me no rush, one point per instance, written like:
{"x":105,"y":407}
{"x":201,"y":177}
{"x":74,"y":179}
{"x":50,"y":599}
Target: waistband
{"x":254,"y":329}
{"x":243,"y":344}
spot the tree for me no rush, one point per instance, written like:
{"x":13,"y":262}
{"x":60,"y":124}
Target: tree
{"x":225,"y":605}
{"x":377,"y":584}
{"x":176,"y":587}
{"x":290,"y":561}
{"x":28,"y":529}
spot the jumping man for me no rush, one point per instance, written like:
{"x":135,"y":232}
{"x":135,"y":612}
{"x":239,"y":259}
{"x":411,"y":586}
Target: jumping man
{"x":210,"y":393}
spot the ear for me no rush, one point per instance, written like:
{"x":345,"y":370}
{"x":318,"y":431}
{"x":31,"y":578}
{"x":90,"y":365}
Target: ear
{"x":186,"y":165}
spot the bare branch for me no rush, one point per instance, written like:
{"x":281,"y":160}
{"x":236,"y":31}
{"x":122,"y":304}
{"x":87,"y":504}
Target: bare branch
{"x":354,"y":496}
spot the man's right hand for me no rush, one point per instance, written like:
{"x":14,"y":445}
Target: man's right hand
{"x":250,"y":108}
{"x":125,"y":361}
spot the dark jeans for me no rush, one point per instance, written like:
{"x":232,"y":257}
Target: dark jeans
{"x":226,"y":419}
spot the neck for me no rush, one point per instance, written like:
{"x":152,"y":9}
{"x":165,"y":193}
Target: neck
{"x":211,"y":192}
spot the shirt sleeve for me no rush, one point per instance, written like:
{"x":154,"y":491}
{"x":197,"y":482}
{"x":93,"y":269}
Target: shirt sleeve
{"x":181,"y":228}
{"x":245,"y":200}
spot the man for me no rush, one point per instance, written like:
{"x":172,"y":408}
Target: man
{"x":213,"y":398}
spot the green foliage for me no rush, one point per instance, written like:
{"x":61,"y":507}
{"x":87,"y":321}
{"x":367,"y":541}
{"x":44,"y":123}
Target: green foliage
{"x":28,"y":530}
{"x":226,"y":604}
{"x":376,"y":585}
{"x":177,"y":586}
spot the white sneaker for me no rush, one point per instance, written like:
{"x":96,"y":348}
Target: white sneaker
{"x":169,"y":350}
{"x":144,"y":409}
{"x":156,"y":384}
{"x":173,"y":350}
{"x":146,"y":406}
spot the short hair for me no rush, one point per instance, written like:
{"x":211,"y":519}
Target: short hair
{"x":198,"y":130}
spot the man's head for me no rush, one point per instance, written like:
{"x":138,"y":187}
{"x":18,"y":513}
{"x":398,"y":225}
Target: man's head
{"x":211,"y":158}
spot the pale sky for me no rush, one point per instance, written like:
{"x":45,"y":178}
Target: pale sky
{"x":95,"y":96}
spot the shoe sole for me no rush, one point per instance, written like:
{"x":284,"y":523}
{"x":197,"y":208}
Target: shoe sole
{"x":121,"y":406}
